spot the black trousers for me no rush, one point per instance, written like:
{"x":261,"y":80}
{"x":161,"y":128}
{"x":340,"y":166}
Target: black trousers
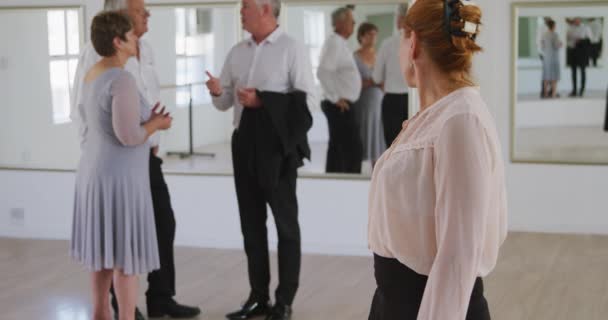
{"x":161,"y":283}
{"x":400,"y":290}
{"x":394,"y":111}
{"x":574,"y":78}
{"x":345,"y":149}
{"x":542,"y":82}
{"x":282,"y":199}
{"x":595,"y":52}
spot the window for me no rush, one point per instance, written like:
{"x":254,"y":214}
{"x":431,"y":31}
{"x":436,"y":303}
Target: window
{"x":64,"y":48}
{"x":314,"y":34}
{"x":194,"y":47}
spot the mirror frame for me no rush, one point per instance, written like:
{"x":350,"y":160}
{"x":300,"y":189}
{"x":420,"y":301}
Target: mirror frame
{"x":515,"y":8}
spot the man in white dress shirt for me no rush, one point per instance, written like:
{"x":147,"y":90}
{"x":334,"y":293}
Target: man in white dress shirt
{"x":578,"y":39}
{"x":387,"y":73}
{"x":341,"y":83}
{"x":596,"y":39}
{"x":269,"y":63}
{"x":161,"y":283}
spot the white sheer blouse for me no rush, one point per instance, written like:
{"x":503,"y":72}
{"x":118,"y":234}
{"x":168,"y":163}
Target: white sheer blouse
{"x":437,"y":201}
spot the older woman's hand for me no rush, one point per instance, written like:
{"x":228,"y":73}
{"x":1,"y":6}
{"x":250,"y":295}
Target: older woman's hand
{"x":160,"y":119}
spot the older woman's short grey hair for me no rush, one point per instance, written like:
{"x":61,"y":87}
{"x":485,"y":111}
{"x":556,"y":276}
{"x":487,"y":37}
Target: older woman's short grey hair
{"x":402,"y":10}
{"x":274,"y":4}
{"x":114,"y":5}
{"x":339,"y":15}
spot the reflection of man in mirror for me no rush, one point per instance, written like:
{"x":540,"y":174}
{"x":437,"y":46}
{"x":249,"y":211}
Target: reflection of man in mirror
{"x":161,"y":283}
{"x":387,"y":73}
{"x":577,"y":55}
{"x":341,"y":83}
{"x":267,"y":79}
{"x":596,"y":27}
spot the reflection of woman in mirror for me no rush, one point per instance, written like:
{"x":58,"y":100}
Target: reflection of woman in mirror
{"x":368,"y":108}
{"x":551,"y":67}
{"x":113,"y":232}
{"x":437,"y":204}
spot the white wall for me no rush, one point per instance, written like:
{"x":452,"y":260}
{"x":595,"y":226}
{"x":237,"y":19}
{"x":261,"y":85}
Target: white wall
{"x":205,"y":209}
{"x":549,"y":198}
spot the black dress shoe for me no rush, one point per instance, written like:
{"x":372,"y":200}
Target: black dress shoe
{"x":280,"y":312}
{"x":250,"y":309}
{"x":138,"y":315}
{"x":172,"y":309}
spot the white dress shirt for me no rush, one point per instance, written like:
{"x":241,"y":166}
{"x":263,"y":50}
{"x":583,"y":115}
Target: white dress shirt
{"x":338,"y":73}
{"x":388,"y":69}
{"x":437,"y":201}
{"x":142,"y":70}
{"x":596,"y":31}
{"x":540,"y":32}
{"x":279,"y":64}
{"x":576,"y":33}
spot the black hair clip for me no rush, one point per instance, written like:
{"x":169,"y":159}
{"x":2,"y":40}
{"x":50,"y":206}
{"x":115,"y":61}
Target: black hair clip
{"x":451,"y":13}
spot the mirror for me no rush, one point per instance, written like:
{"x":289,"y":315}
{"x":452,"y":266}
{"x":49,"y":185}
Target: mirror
{"x":312,"y":23}
{"x":37,"y":65}
{"x":187,"y":39}
{"x":191,"y":45}
{"x":555,"y":119}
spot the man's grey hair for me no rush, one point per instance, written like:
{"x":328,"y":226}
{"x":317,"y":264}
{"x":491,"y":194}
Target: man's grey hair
{"x":274,"y":4}
{"x":339,"y":15}
{"x":115,"y":5}
{"x":402,"y":10}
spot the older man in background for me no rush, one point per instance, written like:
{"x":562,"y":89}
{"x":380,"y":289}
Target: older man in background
{"x":341,"y":84}
{"x":387,"y":73}
{"x":267,"y":79}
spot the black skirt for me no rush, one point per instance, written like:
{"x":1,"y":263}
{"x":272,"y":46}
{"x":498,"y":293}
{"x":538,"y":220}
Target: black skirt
{"x":400,"y":289}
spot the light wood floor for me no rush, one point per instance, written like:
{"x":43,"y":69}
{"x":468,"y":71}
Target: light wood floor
{"x":540,"y":277}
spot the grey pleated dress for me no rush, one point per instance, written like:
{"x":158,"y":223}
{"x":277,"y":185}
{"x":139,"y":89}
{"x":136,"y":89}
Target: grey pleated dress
{"x":368,"y":112}
{"x":551,"y":46}
{"x":113,"y":225}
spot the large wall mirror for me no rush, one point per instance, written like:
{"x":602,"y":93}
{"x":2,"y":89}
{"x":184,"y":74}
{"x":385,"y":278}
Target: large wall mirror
{"x":187,"y":40}
{"x":560,"y":82}
{"x":190,"y":44}
{"x":38,"y":56}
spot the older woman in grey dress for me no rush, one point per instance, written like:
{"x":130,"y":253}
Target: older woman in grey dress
{"x":551,"y":44}
{"x":368,"y":110}
{"x":113,"y":232}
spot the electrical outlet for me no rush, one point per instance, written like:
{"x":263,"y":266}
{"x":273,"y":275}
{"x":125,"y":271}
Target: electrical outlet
{"x":17,"y":216}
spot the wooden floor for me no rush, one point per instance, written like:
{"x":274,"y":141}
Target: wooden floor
{"x":540,"y":277}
